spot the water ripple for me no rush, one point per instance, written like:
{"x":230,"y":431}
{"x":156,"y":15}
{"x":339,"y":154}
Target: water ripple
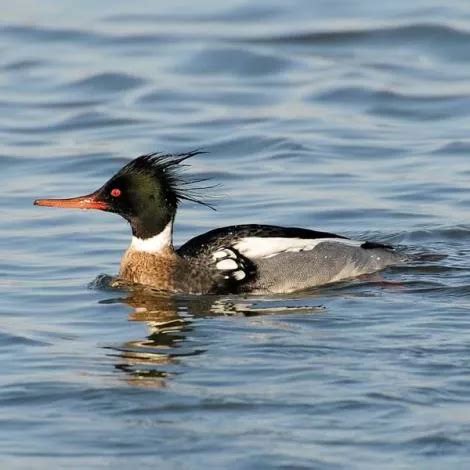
{"x":350,"y":118}
{"x":429,"y":34}
{"x":107,"y":82}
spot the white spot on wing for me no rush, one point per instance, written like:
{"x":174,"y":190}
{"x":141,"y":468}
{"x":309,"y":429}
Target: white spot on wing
{"x":224,"y":254}
{"x":239,"y":275}
{"x":266,"y":247}
{"x":227,"y":264}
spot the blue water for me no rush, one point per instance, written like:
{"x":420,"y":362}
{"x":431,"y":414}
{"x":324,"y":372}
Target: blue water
{"x":352,"y":117}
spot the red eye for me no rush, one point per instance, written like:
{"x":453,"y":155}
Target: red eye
{"x":115,"y":192}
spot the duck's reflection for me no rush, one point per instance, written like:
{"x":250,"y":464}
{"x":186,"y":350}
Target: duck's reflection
{"x":152,"y":360}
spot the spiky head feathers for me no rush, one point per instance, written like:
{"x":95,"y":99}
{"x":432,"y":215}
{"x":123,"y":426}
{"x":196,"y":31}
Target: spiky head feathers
{"x":163,"y":172}
{"x":148,"y":189}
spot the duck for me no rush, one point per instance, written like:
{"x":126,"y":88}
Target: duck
{"x":237,"y":259}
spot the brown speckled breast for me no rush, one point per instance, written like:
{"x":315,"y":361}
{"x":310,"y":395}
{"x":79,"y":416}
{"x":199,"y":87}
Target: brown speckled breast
{"x":165,"y":270}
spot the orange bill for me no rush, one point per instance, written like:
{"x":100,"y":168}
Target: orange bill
{"x":89,"y":201}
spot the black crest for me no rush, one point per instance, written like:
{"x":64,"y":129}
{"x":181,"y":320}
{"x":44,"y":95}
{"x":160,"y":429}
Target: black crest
{"x":167,"y":169}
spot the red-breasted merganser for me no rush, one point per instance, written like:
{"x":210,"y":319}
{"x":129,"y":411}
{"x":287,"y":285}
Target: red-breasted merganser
{"x":236,"y":259}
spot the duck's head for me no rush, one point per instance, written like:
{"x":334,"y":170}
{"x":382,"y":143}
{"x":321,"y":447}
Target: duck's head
{"x":146,"y":192}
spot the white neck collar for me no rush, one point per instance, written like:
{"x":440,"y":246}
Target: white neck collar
{"x":156,"y":243}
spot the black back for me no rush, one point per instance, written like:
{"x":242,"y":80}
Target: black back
{"x":226,"y":236}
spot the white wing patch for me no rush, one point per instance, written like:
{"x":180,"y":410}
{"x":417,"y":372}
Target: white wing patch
{"x":239,"y":275}
{"x":227,"y":264}
{"x":224,"y":253}
{"x":231,"y":265}
{"x":266,"y":247}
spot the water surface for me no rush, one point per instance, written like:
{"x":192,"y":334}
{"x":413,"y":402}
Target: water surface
{"x":350,"y":117}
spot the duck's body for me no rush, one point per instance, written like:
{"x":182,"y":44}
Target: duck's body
{"x":236,"y":259}
{"x":254,"y":259}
